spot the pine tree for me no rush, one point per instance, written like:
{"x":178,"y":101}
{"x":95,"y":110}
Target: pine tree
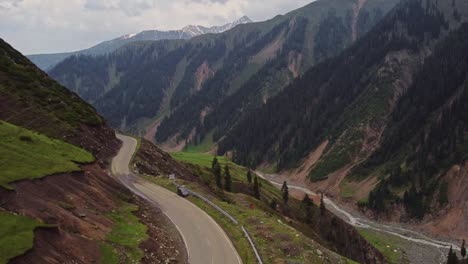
{"x":307,"y":205}
{"x":306,"y":200}
{"x":322,"y":204}
{"x":217,"y":173}
{"x":463,"y":249}
{"x":452,"y":257}
{"x":256,"y":188}
{"x":285,"y":192}
{"x":214,"y":162}
{"x":227,"y":179}
{"x":249,"y":177}
{"x":273,"y":204}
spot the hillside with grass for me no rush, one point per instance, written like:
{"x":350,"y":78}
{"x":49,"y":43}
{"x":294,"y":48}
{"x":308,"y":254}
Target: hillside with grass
{"x":296,"y":231}
{"x":16,"y":235}
{"x":29,"y":155}
{"x":58,"y":203}
{"x":35,"y":94}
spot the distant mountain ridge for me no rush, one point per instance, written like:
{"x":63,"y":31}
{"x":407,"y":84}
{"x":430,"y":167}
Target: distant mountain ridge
{"x":196,"y":83}
{"x":47,"y":61}
{"x":200,"y":30}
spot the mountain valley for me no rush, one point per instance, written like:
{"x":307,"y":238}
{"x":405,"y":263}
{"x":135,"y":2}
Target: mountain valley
{"x":335,"y":133}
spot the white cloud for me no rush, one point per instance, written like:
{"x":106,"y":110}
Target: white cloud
{"x":129,"y":7}
{"x":43,"y":26}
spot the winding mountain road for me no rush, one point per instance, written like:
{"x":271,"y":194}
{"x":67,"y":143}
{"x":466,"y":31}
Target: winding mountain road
{"x":205,"y":241}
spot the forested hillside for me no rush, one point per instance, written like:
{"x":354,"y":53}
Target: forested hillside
{"x":427,"y":133}
{"x":206,"y":84}
{"x":397,"y":95}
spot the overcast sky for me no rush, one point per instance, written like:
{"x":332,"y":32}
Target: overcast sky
{"x":47,"y":26}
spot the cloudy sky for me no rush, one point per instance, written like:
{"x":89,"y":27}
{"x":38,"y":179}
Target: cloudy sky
{"x":46,"y":26}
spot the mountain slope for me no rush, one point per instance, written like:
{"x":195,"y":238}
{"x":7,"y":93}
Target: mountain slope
{"x":58,"y":197}
{"x":82,"y":215}
{"x":203,"y":80}
{"x":371,"y":101}
{"x":426,"y":135}
{"x":48,"y":61}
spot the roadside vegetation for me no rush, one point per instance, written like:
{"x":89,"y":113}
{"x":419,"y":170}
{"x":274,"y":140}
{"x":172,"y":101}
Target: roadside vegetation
{"x":202,"y":159}
{"x":205,"y":161}
{"x":274,"y":238}
{"x":201,"y":163}
{"x":16,"y":235}
{"x":268,"y":214}
{"x":126,"y":235}
{"x":29,"y":155}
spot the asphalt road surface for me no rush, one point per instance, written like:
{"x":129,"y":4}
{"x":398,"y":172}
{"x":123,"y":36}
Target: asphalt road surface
{"x":205,"y":241}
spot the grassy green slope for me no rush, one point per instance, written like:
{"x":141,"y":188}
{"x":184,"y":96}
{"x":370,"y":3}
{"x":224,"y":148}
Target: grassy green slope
{"x":31,"y":99}
{"x":28,"y":155}
{"x":36,"y":116}
{"x":16,"y":235}
{"x":205,"y":160}
{"x":126,"y":234}
{"x":390,"y":246}
{"x":238,"y":173}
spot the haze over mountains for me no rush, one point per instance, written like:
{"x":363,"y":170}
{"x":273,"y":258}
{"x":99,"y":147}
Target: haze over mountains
{"x":48,"y":61}
{"x":362,"y":100}
{"x":62,"y":199}
{"x":200,"y":74}
{"x":318,"y":90}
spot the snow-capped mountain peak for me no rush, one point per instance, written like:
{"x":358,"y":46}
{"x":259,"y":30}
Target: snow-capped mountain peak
{"x":128,"y":36}
{"x":194,"y":30}
{"x":200,"y":30}
{"x":148,"y":35}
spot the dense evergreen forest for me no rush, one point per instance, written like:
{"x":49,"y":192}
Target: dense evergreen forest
{"x":425,"y":130}
{"x":243,"y":67}
{"x":187,"y":117}
{"x":93,"y":77}
{"x":290,"y":125}
{"x":333,"y":34}
{"x":427,"y":133}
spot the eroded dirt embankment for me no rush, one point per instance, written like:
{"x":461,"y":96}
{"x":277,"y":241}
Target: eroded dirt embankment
{"x":76,"y":205}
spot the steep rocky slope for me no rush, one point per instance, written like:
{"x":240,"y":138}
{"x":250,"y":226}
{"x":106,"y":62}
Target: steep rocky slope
{"x":205,"y":85}
{"x":387,"y":115}
{"x":75,"y":211}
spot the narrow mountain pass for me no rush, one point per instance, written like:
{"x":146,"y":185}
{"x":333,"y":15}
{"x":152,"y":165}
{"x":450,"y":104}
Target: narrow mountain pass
{"x":205,"y":241}
{"x":438,"y":250}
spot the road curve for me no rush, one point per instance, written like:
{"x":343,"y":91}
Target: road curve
{"x":206,"y":242}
